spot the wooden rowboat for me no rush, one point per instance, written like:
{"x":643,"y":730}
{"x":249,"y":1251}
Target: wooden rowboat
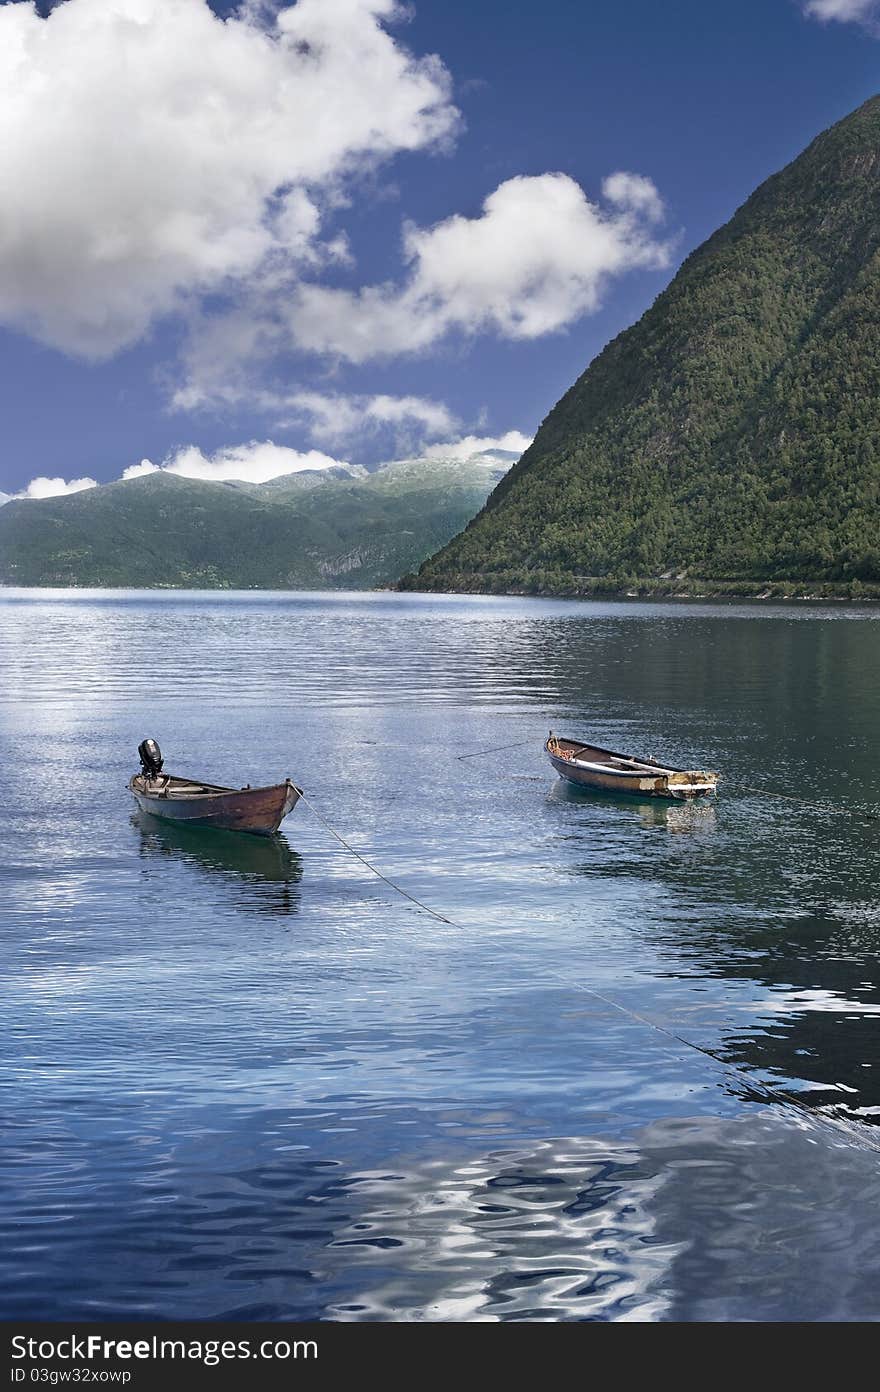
{"x":197,"y":804}
{"x":589,"y":766}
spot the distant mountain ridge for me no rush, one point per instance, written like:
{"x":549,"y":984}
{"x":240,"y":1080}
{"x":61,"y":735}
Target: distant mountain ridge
{"x":729,"y":442}
{"x":302,"y":480}
{"x":339,"y":528}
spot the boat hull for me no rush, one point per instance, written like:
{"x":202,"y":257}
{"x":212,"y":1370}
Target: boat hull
{"x":673,"y":784}
{"x":259,"y":811}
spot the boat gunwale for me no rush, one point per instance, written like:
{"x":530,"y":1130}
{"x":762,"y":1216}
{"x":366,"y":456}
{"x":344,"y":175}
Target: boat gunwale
{"x":612,"y":754}
{"x":206,"y":790}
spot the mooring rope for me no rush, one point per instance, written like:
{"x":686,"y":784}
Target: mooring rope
{"x":425,"y":908}
{"x":495,"y":749}
{"x":839,"y":1125}
{"x":765,"y":792}
{"x":802,"y":801}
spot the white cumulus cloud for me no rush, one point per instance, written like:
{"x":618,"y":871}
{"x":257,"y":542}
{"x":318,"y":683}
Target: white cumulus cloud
{"x":153,"y":152}
{"x":255,"y":462}
{"x":845,"y":11}
{"x":43,"y":487}
{"x":537,"y":258}
{"x":336,"y":418}
{"x":511,"y":442}
{"x":157,"y":159}
{"x":146,"y":466}
{"x":635,"y":194}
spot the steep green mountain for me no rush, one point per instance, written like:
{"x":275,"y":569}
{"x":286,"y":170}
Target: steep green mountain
{"x":730,"y":440}
{"x":344,"y":530}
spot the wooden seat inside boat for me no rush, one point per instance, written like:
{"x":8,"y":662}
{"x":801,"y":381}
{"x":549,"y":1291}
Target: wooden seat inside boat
{"x":183,"y":787}
{"x":167,"y":786}
{"x":590,"y":755}
{"x":636,"y":764}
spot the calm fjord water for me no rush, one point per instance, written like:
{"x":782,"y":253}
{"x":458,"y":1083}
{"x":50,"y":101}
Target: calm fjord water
{"x":244,"y":1079}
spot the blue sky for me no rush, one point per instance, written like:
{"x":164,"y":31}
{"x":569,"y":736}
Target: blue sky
{"x":220,"y":233}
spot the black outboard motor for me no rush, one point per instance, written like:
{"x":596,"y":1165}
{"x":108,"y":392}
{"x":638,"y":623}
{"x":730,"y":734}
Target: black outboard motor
{"x":151,"y":758}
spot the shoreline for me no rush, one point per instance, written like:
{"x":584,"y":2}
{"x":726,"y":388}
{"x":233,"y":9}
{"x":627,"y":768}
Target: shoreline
{"x":617,"y":596}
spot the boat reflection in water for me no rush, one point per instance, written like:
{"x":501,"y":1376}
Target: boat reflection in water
{"x":263,"y":872}
{"x":694,"y":815}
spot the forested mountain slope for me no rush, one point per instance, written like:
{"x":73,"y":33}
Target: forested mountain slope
{"x":327,"y":530}
{"x":730,"y":440}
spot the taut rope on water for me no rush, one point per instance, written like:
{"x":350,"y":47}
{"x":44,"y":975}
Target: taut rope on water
{"x":804,"y":802}
{"x":861,"y":1139}
{"x":363,"y":860}
{"x":496,"y":749}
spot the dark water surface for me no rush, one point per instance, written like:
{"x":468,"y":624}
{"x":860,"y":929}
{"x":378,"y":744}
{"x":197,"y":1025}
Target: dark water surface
{"x":244,"y":1079}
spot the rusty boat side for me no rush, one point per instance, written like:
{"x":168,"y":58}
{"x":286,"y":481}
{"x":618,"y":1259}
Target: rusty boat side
{"x":590,"y":766}
{"x":191,"y":802}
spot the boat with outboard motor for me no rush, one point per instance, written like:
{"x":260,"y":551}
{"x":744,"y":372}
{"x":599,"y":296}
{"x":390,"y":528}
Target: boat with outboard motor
{"x":192,"y":802}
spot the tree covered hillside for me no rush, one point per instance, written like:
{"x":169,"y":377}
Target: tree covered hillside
{"x":326,"y":530}
{"x":730,"y":440}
